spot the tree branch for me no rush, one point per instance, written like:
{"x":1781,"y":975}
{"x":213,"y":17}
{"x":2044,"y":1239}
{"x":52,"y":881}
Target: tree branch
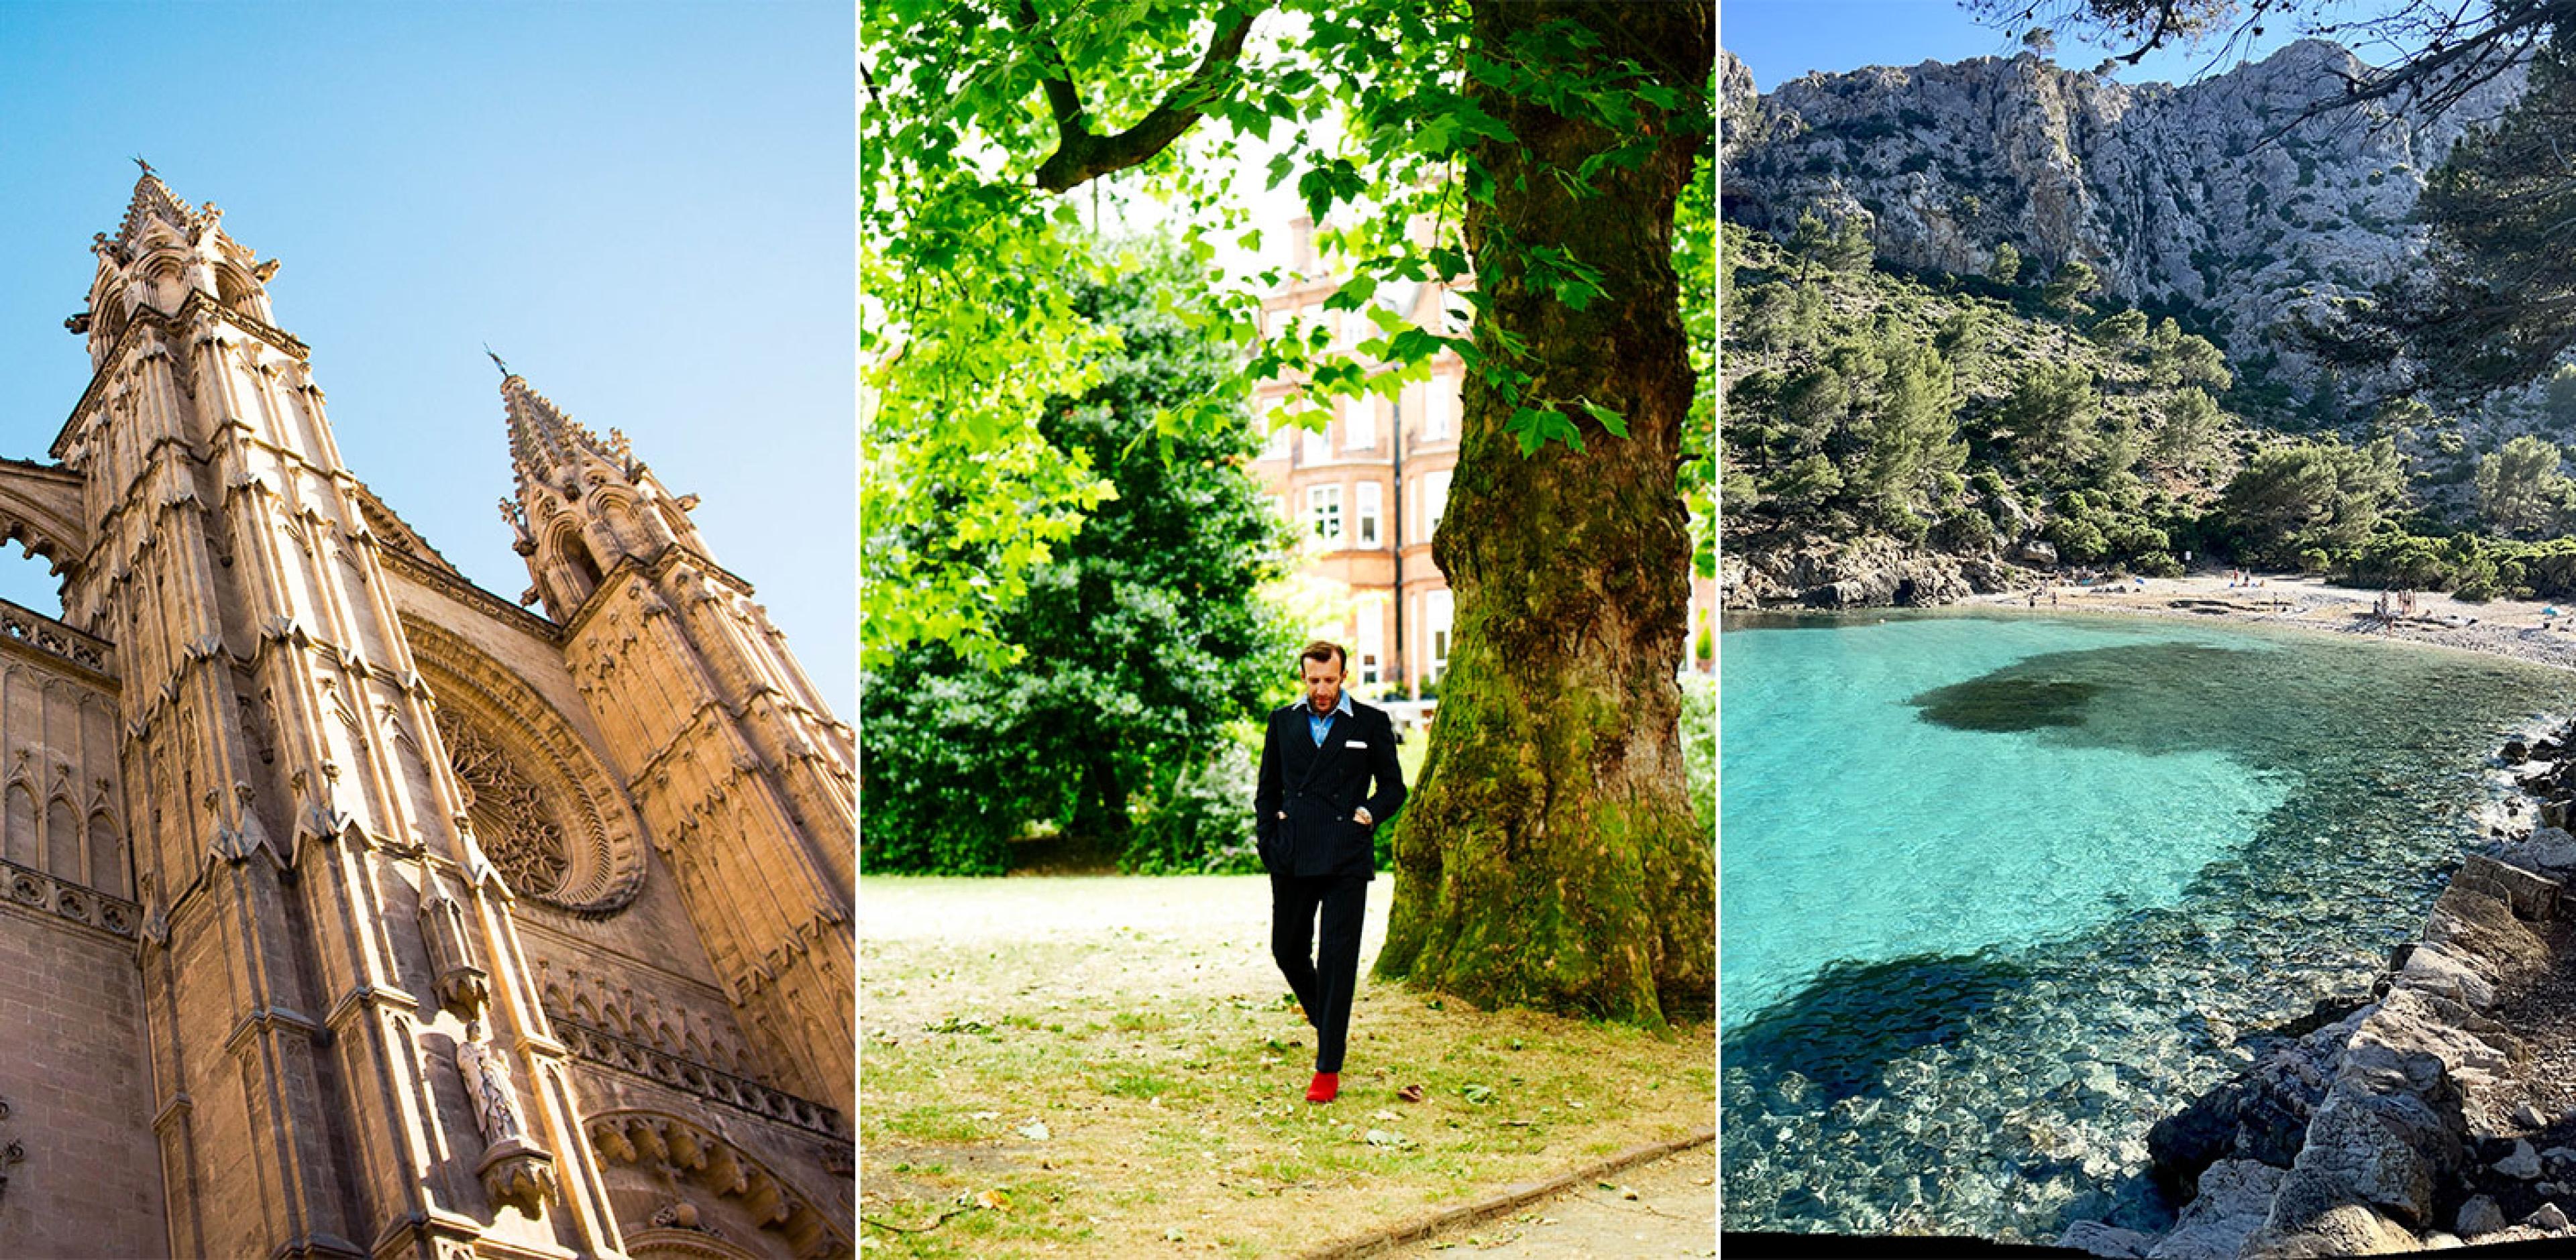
{"x":1082,"y":155}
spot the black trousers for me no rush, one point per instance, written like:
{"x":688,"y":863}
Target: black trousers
{"x":1323,"y":979}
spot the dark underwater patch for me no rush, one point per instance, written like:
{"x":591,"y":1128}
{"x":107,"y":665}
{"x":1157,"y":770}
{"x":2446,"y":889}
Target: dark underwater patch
{"x":1998,"y":703}
{"x":1851,"y":1021}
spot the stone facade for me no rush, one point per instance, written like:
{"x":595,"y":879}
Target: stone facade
{"x":351,"y":910}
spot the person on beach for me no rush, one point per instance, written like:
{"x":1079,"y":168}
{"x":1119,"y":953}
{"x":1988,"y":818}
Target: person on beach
{"x":1329,"y":777}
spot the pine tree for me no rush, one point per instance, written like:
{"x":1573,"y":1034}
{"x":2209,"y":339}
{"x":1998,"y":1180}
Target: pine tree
{"x":2065,"y":291}
{"x":2007,"y":265}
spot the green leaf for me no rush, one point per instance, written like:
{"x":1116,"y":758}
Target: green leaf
{"x":1354,"y":293}
{"x":1617,"y":424}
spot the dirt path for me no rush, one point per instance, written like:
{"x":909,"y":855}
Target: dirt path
{"x":1674,"y":1214}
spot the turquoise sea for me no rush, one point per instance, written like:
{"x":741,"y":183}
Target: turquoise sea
{"x":1998,"y":892}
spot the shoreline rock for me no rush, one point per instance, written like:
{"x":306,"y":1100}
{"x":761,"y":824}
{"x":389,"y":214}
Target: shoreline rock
{"x":2382,"y":1114}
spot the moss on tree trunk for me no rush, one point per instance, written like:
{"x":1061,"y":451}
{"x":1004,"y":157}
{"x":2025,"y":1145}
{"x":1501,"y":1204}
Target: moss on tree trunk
{"x":1550,"y":857}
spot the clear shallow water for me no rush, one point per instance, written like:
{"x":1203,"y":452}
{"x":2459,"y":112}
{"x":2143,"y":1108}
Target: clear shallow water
{"x":1999,"y":893}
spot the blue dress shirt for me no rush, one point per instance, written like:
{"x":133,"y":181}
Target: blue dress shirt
{"x":1317,"y":725}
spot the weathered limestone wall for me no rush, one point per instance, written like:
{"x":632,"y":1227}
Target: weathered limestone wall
{"x":76,"y":1084}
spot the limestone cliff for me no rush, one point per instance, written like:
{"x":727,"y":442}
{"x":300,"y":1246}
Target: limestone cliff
{"x":2177,"y":196}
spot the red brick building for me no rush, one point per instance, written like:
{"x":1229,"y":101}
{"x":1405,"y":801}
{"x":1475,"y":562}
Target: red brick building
{"x":1368,"y":490}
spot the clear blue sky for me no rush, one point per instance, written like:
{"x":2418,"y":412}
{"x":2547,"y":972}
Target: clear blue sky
{"x":645,"y":207}
{"x":1779,"y":40}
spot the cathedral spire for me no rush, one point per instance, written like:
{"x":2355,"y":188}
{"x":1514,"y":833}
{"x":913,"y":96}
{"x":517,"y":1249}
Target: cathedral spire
{"x":547,"y":447}
{"x":583,"y":505}
{"x":153,"y":202}
{"x":163,"y":251}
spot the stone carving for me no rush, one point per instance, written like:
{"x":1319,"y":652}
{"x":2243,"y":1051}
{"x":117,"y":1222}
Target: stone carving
{"x":518,"y":829}
{"x":40,"y":891}
{"x":462,"y":986}
{"x":607,"y":1049}
{"x":514,"y":1168}
{"x":682,"y":1214}
{"x":10,"y":1154}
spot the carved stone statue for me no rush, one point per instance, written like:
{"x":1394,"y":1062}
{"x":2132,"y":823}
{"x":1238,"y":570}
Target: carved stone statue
{"x":514,"y":1168}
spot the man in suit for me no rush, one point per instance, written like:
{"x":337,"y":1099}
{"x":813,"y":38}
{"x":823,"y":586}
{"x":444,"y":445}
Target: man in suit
{"x":1315,"y":822}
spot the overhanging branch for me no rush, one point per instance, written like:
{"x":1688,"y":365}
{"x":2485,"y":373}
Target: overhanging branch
{"x":1082,"y":155}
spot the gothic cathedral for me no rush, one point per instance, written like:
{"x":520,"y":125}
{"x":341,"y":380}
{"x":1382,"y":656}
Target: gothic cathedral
{"x":351,"y":910}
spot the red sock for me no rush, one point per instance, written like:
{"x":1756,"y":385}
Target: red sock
{"x":1326,"y":1085}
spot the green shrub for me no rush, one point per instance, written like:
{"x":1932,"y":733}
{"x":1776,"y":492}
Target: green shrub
{"x":944,"y":795}
{"x":1965,"y":533}
{"x":1203,"y":822}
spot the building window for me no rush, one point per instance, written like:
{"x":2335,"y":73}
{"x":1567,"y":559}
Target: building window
{"x":1435,"y":498}
{"x":1276,"y":447}
{"x":1371,"y":639}
{"x":1359,"y":424}
{"x":1438,"y":631}
{"x":1319,"y":446}
{"x":1367,"y":508}
{"x":1324,"y":509}
{"x":1437,"y":403}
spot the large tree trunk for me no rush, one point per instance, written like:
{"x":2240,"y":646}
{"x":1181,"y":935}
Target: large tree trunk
{"x":1101,"y":824}
{"x":1550,"y":857}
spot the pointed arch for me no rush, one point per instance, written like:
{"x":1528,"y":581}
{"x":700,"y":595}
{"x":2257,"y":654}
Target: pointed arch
{"x":569,"y":544}
{"x":63,"y":859}
{"x":645,"y":1151}
{"x":107,"y":865}
{"x":21,"y":824}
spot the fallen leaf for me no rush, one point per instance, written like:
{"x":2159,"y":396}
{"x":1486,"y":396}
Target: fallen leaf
{"x":1381,"y":1115}
{"x":1410,"y":1093}
{"x":1380,"y":1137}
{"x":1174,"y":1234}
{"x":1479,"y":1094}
{"x":1626,"y":1193}
{"x":1035,"y":1131}
{"x":984,"y":1115}
{"x":993,"y":1200}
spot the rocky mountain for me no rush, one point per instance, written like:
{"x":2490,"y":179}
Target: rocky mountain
{"x":2209,"y":197}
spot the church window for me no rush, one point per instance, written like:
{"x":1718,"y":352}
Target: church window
{"x":518,"y":830}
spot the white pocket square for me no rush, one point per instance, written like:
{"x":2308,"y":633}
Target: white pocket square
{"x":1354,"y":743}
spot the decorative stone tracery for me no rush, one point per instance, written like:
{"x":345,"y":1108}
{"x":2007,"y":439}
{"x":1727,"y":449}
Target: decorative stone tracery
{"x":519,"y":831}
{"x":545,"y":812}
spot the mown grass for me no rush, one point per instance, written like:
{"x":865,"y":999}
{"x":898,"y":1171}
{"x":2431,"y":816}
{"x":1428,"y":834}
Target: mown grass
{"x":1119,"y":1075}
